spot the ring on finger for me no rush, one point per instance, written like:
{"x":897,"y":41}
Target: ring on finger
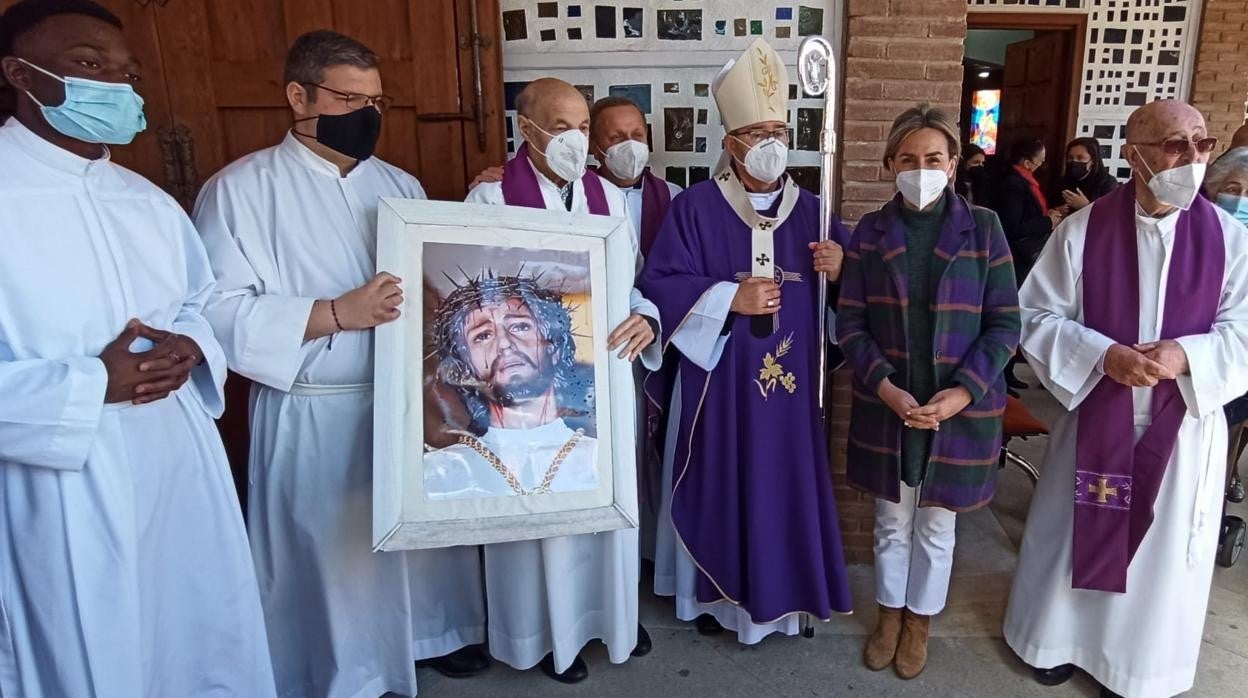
{"x":771,"y":304}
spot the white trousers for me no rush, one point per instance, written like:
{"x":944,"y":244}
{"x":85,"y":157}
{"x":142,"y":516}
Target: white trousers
{"x":913,"y":554}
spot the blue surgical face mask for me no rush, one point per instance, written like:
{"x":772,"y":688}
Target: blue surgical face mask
{"x":1235,"y":205}
{"x":94,"y":111}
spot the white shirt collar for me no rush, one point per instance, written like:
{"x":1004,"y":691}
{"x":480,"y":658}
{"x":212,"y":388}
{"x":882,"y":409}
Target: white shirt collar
{"x":765,"y":200}
{"x":543,"y":179}
{"x":53,"y":155}
{"x":1162,"y":225}
{"x":293,"y":147}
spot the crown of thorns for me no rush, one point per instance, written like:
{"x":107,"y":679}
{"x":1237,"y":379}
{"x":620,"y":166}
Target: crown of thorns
{"x":552,"y":316}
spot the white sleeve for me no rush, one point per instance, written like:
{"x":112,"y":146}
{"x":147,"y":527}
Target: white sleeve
{"x":209,"y":377}
{"x":486,"y":193}
{"x":51,"y":410}
{"x":1064,"y":354}
{"x":700,"y":338}
{"x":1218,"y":360}
{"x":261,"y":332}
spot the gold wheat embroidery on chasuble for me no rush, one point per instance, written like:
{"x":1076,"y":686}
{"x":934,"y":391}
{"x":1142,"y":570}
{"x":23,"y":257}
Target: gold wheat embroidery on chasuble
{"x":772,"y":376}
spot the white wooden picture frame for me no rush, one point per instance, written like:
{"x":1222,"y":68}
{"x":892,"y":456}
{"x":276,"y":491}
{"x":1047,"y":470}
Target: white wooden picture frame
{"x":414,"y":233}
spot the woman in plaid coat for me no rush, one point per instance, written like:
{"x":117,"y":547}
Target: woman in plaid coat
{"x":928,"y":318}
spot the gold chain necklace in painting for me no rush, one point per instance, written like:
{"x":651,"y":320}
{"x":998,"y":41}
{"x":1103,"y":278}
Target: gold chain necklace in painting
{"x":514,"y":482}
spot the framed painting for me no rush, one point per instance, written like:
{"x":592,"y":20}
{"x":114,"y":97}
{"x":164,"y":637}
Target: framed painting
{"x":500,"y":415}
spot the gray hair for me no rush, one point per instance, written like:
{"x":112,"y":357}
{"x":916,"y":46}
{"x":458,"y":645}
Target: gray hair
{"x":1232,"y":162}
{"x":317,"y":50}
{"x":918,"y":118}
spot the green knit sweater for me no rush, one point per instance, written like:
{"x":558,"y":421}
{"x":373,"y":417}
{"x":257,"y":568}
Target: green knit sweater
{"x":922,"y":231}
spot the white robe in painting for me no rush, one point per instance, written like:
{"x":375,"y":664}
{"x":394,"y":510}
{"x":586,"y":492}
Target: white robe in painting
{"x":1143,"y":642}
{"x":460,"y":472}
{"x":124,"y":569}
{"x":675,"y":573}
{"x":284,"y":229}
{"x":557,"y":594}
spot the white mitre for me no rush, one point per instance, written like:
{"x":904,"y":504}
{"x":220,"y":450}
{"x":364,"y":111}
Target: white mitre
{"x":752,"y":89}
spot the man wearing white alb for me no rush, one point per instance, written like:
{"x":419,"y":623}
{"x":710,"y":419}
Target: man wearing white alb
{"x":291,"y":231}
{"x":124,"y":569}
{"x":1135,"y":317}
{"x":588,"y":583}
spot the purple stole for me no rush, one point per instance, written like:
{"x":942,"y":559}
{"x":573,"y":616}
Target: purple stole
{"x":520,"y":186}
{"x":1116,"y":485}
{"x":655,"y":198}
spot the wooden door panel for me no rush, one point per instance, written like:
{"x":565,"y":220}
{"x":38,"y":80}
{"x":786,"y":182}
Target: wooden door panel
{"x":145,"y":154}
{"x":231,"y":52}
{"x":1033,"y":102}
{"x":484,"y":146}
{"x":1016,"y":64}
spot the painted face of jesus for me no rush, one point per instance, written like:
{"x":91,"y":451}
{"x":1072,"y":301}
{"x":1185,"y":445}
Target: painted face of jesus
{"x":507,"y":351}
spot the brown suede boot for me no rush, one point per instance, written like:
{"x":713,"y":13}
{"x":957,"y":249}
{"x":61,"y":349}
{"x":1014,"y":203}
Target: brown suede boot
{"x":882,"y":645}
{"x":912,"y":648}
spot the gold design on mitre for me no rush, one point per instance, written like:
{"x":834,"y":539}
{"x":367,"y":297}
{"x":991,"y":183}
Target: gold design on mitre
{"x":772,"y":375}
{"x":770,"y":81}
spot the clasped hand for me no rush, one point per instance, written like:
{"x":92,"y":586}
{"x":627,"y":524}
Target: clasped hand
{"x":147,"y":376}
{"x":943,"y":406}
{"x":1146,"y":365}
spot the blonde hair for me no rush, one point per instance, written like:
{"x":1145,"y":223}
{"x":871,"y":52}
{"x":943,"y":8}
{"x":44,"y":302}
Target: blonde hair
{"x":915,"y":119}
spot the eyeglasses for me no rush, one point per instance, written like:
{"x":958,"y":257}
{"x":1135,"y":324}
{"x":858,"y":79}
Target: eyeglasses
{"x":1181,"y":146}
{"x":353,"y":101}
{"x":756,"y":136}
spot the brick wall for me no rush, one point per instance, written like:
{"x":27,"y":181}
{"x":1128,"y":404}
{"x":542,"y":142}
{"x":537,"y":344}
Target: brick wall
{"x":899,"y":53}
{"x":1220,"y":84}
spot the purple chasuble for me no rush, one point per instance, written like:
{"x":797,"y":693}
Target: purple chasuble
{"x":1117,"y":484}
{"x":520,"y":187}
{"x":752,"y":495}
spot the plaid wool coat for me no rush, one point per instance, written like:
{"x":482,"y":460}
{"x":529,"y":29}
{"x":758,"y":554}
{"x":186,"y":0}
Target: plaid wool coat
{"x":976,"y":331}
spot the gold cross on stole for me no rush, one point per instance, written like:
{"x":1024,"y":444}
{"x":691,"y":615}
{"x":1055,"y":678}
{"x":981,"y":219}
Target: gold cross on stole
{"x":1102,"y":490}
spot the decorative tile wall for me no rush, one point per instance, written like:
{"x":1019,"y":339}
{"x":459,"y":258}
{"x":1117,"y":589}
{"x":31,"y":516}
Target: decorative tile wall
{"x":664,"y":54}
{"x":1137,"y":51}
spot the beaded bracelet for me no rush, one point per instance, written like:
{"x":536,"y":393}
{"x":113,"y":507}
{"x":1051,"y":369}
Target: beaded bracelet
{"x":333,"y":308}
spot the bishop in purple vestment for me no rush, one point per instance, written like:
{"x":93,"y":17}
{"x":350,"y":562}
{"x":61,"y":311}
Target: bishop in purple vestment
{"x":749,"y":523}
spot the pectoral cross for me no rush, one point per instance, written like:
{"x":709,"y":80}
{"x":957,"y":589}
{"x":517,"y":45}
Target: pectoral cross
{"x":1102,"y":490}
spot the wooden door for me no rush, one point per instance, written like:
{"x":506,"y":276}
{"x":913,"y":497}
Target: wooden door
{"x":1034,"y":99}
{"x":153,"y":152}
{"x":225,"y":61}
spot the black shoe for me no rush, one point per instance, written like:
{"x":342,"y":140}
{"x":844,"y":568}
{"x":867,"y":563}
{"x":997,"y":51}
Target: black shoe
{"x":1106,"y":693}
{"x":460,"y":664}
{"x":576,"y":673}
{"x":707,"y":625}
{"x":1056,"y":676}
{"x":644,"y":645}
{"x":1012,"y":381}
{"x":1013,"y":393}
{"x":1235,"y":492}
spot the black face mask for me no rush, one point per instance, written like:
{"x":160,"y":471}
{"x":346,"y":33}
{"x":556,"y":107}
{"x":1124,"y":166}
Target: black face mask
{"x":353,"y":134}
{"x":1076,"y":170}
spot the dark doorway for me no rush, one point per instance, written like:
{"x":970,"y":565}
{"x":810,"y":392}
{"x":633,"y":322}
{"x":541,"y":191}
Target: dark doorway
{"x":1030,"y":64}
